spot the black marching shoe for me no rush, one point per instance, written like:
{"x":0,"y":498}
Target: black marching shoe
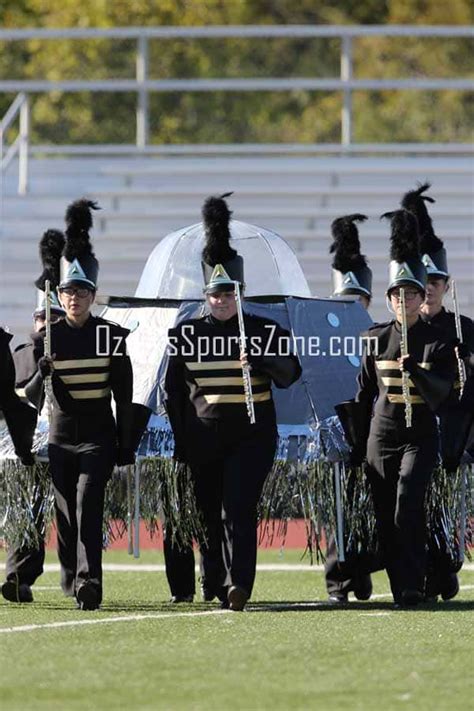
{"x":411,"y":598}
{"x":14,"y":591}
{"x":338,"y":598}
{"x":208,"y":594}
{"x":237,"y":598}
{"x":178,"y":599}
{"x":450,"y":587}
{"x":363,"y":589}
{"x":87,"y":596}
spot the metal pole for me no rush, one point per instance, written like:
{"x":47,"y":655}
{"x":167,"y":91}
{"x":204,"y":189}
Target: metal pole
{"x":130,"y":509}
{"x":339,"y":514}
{"x":462,"y":523}
{"x":136,"y":540}
{"x":23,"y":147}
{"x":346,"y":75}
{"x":142,"y":98}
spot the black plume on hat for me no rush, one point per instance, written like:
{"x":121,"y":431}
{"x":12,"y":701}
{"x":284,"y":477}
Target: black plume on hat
{"x":216,"y":216}
{"x":415,"y":202}
{"x":404,"y":236}
{"x":79,"y":222}
{"x":346,"y":245}
{"x":50,"y":249}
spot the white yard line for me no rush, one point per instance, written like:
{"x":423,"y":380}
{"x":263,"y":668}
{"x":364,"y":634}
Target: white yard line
{"x":108,"y":620}
{"x":160,"y":568}
{"x":288,"y":607}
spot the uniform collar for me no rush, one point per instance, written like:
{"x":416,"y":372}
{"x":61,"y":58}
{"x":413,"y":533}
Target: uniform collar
{"x":229,"y":323}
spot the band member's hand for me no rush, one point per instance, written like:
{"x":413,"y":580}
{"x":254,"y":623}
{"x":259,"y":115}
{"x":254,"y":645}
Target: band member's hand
{"x":462,"y":351}
{"x":407,"y":363}
{"x":28,"y":459}
{"x":356,"y":456}
{"x":125,"y":457}
{"x":451,"y":464}
{"x":244,"y":359}
{"x":46,"y":365}
{"x":179,"y":454}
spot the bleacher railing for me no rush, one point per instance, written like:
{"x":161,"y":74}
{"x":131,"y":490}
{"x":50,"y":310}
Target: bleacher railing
{"x":143,"y":86}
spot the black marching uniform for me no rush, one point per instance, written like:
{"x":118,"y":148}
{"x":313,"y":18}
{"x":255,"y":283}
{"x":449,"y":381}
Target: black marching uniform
{"x":351,"y":276}
{"x":20,"y":418}
{"x":91,"y":364}
{"x":25,"y":564}
{"x":400,"y":459}
{"x":229,"y":457}
{"x":442,"y":567}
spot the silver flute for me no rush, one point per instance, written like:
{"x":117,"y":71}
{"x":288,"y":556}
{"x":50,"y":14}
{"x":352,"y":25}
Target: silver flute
{"x":249,"y":401}
{"x":404,"y":352}
{"x":48,"y":385}
{"x":457,"y":321}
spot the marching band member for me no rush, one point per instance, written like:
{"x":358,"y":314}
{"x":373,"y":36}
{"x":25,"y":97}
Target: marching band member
{"x":209,"y":403}
{"x":401,"y":385}
{"x":88,"y":363}
{"x":351,"y":277}
{"x":25,"y":564}
{"x":20,"y":419}
{"x":442,"y":579}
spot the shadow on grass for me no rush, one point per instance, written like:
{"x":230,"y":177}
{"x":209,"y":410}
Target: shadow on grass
{"x":323,"y":606}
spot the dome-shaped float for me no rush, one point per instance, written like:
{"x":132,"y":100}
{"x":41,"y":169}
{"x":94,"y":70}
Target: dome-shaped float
{"x":173,"y":269}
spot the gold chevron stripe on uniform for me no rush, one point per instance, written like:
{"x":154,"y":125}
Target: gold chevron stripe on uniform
{"x":89,"y":394}
{"x":229,"y":399}
{"x":81,"y":363}
{"x":84,"y":378}
{"x":387,"y":364}
{"x":21,"y":392}
{"x":397,"y":382}
{"x":399,"y":399}
{"x":215,"y":365}
{"x":393,"y":365}
{"x":221,"y":382}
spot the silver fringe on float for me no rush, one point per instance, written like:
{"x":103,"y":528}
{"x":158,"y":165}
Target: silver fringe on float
{"x":299,"y":486}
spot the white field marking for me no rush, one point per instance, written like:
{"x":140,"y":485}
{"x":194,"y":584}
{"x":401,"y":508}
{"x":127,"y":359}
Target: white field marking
{"x":261,"y":567}
{"x":41,"y":588}
{"x":375,"y":614}
{"x":163,"y":616}
{"x":109,"y":620}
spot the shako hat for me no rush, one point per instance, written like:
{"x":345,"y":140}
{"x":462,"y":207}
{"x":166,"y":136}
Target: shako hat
{"x":78,"y":263}
{"x":406,"y":267}
{"x":50,"y":249}
{"x":433,"y":253}
{"x":221,"y":265}
{"x":350,"y":272}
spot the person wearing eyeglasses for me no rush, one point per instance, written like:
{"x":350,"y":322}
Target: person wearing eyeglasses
{"x":24,"y":564}
{"x":401,"y":455}
{"x":88,"y":364}
{"x":454,"y":422}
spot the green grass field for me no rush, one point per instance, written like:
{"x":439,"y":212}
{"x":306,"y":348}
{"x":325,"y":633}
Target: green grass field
{"x":288,"y":651}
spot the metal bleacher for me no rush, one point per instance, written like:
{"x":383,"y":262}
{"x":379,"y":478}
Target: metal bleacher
{"x":145,"y":198}
{"x":147,"y":190}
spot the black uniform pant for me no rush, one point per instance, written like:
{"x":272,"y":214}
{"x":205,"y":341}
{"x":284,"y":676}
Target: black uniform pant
{"x":80,"y":474}
{"x":25,"y":564}
{"x":179,"y":566}
{"x":400,"y":465}
{"x":350,"y":574}
{"x":229,"y":467}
